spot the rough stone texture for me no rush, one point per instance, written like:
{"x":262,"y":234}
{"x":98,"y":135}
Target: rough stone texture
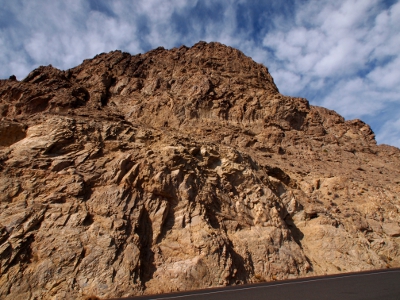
{"x":182,"y":169}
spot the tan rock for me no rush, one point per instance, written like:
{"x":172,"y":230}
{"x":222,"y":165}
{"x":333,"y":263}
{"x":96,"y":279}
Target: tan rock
{"x":182,"y":169}
{"x":391,"y":229}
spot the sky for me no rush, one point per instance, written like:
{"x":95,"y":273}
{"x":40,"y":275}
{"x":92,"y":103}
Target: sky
{"x":343,"y":54}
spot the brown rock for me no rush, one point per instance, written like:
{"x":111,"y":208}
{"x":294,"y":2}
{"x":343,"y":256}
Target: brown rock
{"x":181,"y":169}
{"x":391,"y":229}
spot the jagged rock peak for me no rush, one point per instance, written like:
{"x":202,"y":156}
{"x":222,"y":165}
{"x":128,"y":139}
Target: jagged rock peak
{"x":208,"y":58}
{"x":208,"y":82}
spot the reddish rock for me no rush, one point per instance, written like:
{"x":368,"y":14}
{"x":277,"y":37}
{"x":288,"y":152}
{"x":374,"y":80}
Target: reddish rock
{"x":181,"y":169}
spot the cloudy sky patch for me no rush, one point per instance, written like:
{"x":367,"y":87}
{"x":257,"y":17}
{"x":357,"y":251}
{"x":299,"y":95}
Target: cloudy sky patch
{"x":341,"y":54}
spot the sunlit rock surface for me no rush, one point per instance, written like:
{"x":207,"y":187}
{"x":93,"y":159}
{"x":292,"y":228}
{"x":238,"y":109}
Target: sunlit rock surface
{"x":182,"y":169}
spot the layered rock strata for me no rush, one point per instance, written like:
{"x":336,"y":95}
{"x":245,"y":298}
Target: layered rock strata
{"x":182,"y":169}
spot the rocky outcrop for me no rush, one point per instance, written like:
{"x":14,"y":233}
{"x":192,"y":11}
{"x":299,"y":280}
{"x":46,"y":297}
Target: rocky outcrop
{"x":181,"y":169}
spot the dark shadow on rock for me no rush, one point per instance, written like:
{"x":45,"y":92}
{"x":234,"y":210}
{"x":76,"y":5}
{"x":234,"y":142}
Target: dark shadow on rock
{"x":296,"y":232}
{"x":21,"y":255}
{"x":240,"y":263}
{"x":88,"y":220}
{"x":278,"y":174}
{"x":145,"y":232}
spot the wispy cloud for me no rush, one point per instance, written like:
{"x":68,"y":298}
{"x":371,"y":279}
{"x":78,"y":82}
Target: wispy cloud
{"x":343,"y":55}
{"x":340,"y":54}
{"x":390,"y":130}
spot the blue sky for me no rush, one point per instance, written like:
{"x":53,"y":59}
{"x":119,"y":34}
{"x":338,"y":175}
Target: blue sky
{"x":343,"y":54}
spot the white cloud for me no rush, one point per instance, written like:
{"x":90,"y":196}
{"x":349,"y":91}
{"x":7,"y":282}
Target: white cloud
{"x":390,"y":132}
{"x":354,"y":98}
{"x":348,"y":49}
{"x":388,"y":76}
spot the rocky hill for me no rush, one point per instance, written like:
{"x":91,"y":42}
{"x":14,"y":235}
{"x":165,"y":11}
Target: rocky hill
{"x":182,"y":169}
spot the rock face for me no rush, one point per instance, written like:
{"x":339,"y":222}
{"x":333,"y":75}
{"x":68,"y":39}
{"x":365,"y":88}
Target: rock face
{"x":182,"y":169}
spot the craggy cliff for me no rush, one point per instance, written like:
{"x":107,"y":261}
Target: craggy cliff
{"x":182,"y":169}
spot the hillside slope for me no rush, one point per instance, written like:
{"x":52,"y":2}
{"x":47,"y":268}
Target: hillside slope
{"x":181,"y":169}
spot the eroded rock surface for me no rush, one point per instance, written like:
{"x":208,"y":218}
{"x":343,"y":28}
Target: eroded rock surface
{"x":182,"y":169}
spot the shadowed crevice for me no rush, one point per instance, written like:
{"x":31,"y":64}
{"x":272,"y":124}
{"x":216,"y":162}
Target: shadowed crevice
{"x":145,"y":232}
